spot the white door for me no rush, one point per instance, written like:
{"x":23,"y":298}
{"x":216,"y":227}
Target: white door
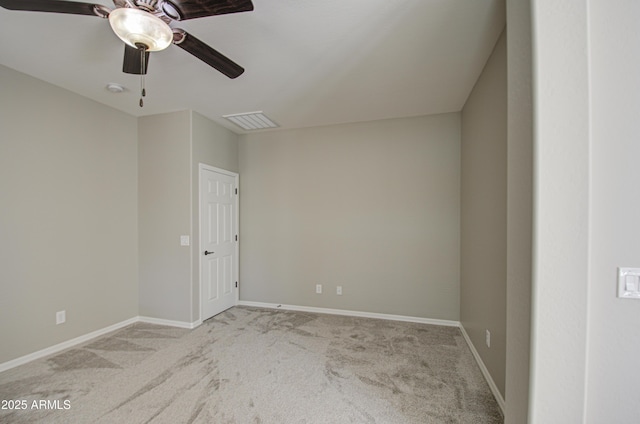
{"x":218,"y":241}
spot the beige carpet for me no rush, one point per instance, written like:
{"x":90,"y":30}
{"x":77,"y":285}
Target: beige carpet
{"x":250,"y":365}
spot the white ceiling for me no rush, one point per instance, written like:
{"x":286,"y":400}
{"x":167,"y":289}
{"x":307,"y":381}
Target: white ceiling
{"x":308,"y":62}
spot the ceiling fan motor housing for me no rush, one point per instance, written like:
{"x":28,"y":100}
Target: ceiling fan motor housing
{"x":148,"y":5}
{"x":163,"y":9}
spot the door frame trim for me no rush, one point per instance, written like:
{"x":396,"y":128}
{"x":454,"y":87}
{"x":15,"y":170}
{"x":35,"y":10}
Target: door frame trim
{"x":236,"y":177}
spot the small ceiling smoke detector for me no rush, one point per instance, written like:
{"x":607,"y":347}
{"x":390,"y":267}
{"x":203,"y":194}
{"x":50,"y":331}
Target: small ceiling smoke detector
{"x":114,"y":88}
{"x":251,"y":121}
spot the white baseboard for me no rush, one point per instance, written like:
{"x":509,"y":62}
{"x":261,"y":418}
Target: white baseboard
{"x":64,"y":345}
{"x":170,"y":323}
{"x":345,"y":312}
{"x":76,"y":341}
{"x":485,"y":371}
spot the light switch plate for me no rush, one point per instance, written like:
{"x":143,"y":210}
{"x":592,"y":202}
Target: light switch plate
{"x":629,"y":283}
{"x":184,"y":240}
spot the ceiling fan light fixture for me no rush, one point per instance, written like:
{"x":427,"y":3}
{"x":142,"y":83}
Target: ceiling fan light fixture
{"x":135,"y":26}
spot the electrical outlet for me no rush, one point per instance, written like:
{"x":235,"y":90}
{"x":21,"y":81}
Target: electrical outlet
{"x":488,"y":338}
{"x":318,"y":288}
{"x":61,"y":317}
{"x":339,"y":290}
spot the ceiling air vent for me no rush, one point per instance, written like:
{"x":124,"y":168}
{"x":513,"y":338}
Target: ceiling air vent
{"x":251,"y":121}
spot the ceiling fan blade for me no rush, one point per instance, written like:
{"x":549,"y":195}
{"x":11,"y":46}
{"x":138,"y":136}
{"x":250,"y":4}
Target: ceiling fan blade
{"x":207,"y":54}
{"x":190,"y":9}
{"x":132,"y":63}
{"x":57,"y":6}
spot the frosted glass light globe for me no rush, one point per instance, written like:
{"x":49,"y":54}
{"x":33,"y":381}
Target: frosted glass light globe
{"x":134,"y":26}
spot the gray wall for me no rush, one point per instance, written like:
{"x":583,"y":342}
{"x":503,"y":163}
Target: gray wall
{"x":373,"y":207}
{"x":68,"y":221}
{"x":483,"y":224}
{"x":170,"y":148}
{"x":519,"y":210}
{"x":613,"y":340}
{"x":561,"y":277}
{"x":212,"y":145}
{"x":164,"y":199}
{"x":584,"y":339}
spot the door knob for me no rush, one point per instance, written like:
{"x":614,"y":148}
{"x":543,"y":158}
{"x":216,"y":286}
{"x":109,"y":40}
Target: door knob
{"x":206,"y":252}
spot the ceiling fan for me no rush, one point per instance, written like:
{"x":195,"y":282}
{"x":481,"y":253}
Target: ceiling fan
{"x":144,"y":26}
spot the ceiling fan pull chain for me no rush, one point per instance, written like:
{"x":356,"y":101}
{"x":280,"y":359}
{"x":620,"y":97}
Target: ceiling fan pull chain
{"x":143,"y":92}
